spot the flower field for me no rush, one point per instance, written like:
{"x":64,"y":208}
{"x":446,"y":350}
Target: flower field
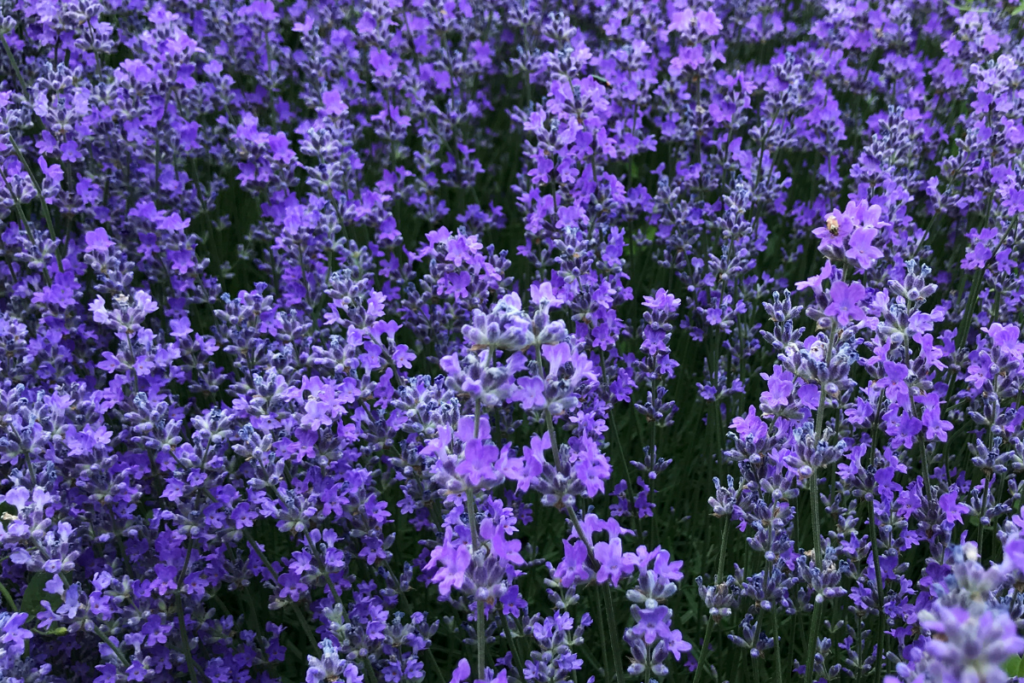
{"x":511,"y":341}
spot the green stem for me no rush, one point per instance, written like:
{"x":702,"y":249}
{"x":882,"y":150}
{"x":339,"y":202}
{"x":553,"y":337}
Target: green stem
{"x":616,"y":651}
{"x":622,"y":454}
{"x":878,"y":595}
{"x":409,"y":610}
{"x":114,"y":648}
{"x":512,"y":645}
{"x":812,"y":642}
{"x":812,"y":639}
{"x":654,"y":449}
{"x":14,"y":65}
{"x":298,"y":613}
{"x":327,"y":573}
{"x":183,"y":632}
{"x":42,"y":202}
{"x":8,"y":598}
{"x":24,"y":162}
{"x":337,"y":597}
{"x":185,"y":647}
{"x":718,"y":579}
{"x":613,"y":629}
{"x":19,"y":209}
{"x":602,"y":631}
{"x":816,"y":519}
{"x":972,"y":300}
{"x":819,"y":425}
{"x":481,"y":642}
{"x":481,"y":630}
{"x":778,"y":644}
{"x":106,"y":641}
{"x":613,"y":642}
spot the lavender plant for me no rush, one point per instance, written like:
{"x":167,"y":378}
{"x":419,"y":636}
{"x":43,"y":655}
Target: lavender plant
{"x":511,"y":341}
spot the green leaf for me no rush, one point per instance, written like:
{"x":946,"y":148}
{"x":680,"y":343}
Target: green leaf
{"x":55,"y":631}
{"x":1012,"y":666}
{"x":35,"y":593}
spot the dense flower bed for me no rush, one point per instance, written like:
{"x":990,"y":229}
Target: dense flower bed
{"x":511,"y":340}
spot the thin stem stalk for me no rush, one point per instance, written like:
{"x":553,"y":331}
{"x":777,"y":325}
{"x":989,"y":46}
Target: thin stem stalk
{"x":718,"y":579}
